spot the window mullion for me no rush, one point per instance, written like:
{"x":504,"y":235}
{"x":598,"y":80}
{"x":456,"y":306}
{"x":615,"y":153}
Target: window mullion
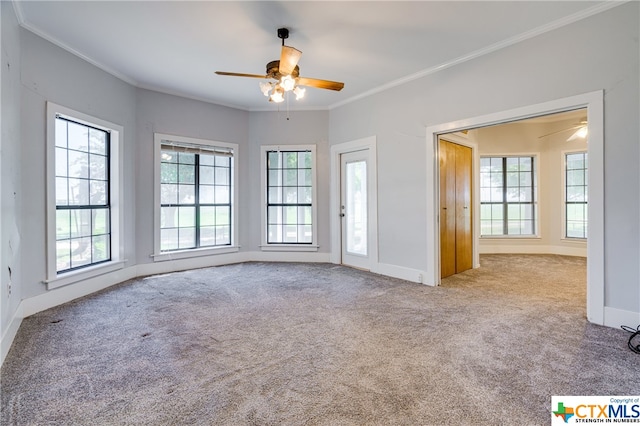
{"x":197,"y":199}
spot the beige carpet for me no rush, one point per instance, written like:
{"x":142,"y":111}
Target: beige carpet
{"x":294,"y":344}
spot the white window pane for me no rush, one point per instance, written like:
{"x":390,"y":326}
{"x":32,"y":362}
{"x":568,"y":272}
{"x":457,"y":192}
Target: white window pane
{"x":290,"y":177}
{"x":100,"y":221}
{"x":223,"y":236}
{"x":207,"y":236}
{"x":100,"y":248}
{"x":290,"y":233}
{"x":78,"y":164}
{"x":168,"y":217}
{"x":97,"y":141}
{"x":169,"y":239}
{"x":305,"y":195}
{"x":207,"y":160}
{"x":221,"y":194}
{"x":63,"y":255}
{"x":275,"y":177}
{"x":168,"y":194}
{"x":62,"y":191}
{"x":290,"y":195}
{"x":207,"y":175}
{"x":80,"y":223}
{"x":63,"y":225}
{"x":78,"y":137}
{"x":98,"y":192}
{"x":207,"y":194}
{"x":305,"y":234}
{"x":290,"y":215}
{"x":61,"y":134}
{"x":207,"y":216}
{"x":78,"y":192}
{"x":186,"y":194}
{"x":186,"y":216}
{"x":274,"y":159}
{"x":186,"y":173}
{"x":186,"y":238}
{"x":80,"y":252}
{"x":274,"y":215}
{"x":223,"y":216}
{"x":168,"y":173}
{"x":275,"y":195}
{"x":61,"y":162}
{"x":98,"y":167}
{"x":222,"y":175}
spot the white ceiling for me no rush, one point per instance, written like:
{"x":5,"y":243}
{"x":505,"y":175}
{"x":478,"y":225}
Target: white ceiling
{"x":175,"y":47}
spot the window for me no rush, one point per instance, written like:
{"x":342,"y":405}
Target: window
{"x":82,"y":195}
{"x":576,"y":195}
{"x":289,"y":191}
{"x":83,"y":191}
{"x":196,"y":194}
{"x":507,"y":196}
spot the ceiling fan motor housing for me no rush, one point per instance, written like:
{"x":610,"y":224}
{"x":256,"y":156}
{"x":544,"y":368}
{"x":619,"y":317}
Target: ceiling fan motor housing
{"x":283,"y":33}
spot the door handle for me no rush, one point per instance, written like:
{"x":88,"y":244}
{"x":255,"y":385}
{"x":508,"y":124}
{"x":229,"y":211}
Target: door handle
{"x":341,"y":214}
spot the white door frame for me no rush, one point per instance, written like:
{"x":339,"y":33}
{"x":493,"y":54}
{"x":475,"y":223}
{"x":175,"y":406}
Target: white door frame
{"x":369,"y":144}
{"x":593,"y":101}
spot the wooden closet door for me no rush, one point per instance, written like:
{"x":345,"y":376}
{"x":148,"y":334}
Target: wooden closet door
{"x":456,"y":238}
{"x":464,"y":238}
{"x":447,"y":209}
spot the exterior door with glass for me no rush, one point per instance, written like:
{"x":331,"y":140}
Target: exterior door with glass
{"x":354,"y":209}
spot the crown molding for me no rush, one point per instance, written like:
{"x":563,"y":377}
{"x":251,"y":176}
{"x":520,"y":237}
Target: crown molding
{"x":570,"y":19}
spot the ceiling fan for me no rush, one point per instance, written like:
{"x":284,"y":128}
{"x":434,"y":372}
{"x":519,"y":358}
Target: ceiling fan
{"x":285,"y":75}
{"x":580,"y":131}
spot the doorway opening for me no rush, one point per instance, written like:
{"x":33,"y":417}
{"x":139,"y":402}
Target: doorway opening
{"x":591,"y":106}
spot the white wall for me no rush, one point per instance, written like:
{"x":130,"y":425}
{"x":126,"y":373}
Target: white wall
{"x":523,"y":138}
{"x":600,"y":52}
{"x":10,"y":182}
{"x":50,"y":73}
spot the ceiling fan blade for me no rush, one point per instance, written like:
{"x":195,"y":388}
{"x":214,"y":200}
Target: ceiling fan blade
{"x":237,"y":74}
{"x":288,"y":60}
{"x":320,"y":84}
{"x":560,"y":131}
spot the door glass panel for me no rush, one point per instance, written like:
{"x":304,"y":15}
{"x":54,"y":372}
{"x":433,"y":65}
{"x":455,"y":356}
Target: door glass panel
{"x":356,"y":207}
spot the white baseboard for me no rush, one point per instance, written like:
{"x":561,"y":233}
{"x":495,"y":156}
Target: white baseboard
{"x":401,"y":272}
{"x":617,"y":317}
{"x":52,"y":298}
{"x":10,"y":333}
{"x":532,"y":249}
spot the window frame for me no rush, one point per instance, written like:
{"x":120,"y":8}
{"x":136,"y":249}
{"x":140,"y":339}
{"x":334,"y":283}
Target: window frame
{"x":207,"y":146}
{"x":55,"y":279}
{"x":301,"y":247}
{"x":564,"y":154}
{"x":534,"y":202}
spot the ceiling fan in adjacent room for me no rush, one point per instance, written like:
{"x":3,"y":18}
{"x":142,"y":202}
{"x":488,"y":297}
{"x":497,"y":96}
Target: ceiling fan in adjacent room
{"x":283,"y":75}
{"x":580,"y":131}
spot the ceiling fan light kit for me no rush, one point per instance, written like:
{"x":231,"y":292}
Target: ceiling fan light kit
{"x":285,"y":75}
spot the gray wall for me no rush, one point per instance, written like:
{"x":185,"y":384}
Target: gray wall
{"x":161,"y":113}
{"x":10,"y":179}
{"x":600,"y":52}
{"x":50,"y":73}
{"x":303,"y":128}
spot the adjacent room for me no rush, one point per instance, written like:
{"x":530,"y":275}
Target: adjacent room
{"x":304,"y":212}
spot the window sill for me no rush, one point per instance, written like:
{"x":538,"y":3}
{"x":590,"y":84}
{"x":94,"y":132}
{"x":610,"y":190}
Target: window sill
{"x":289,"y":247}
{"x":185,"y":254}
{"x":84,"y":274}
